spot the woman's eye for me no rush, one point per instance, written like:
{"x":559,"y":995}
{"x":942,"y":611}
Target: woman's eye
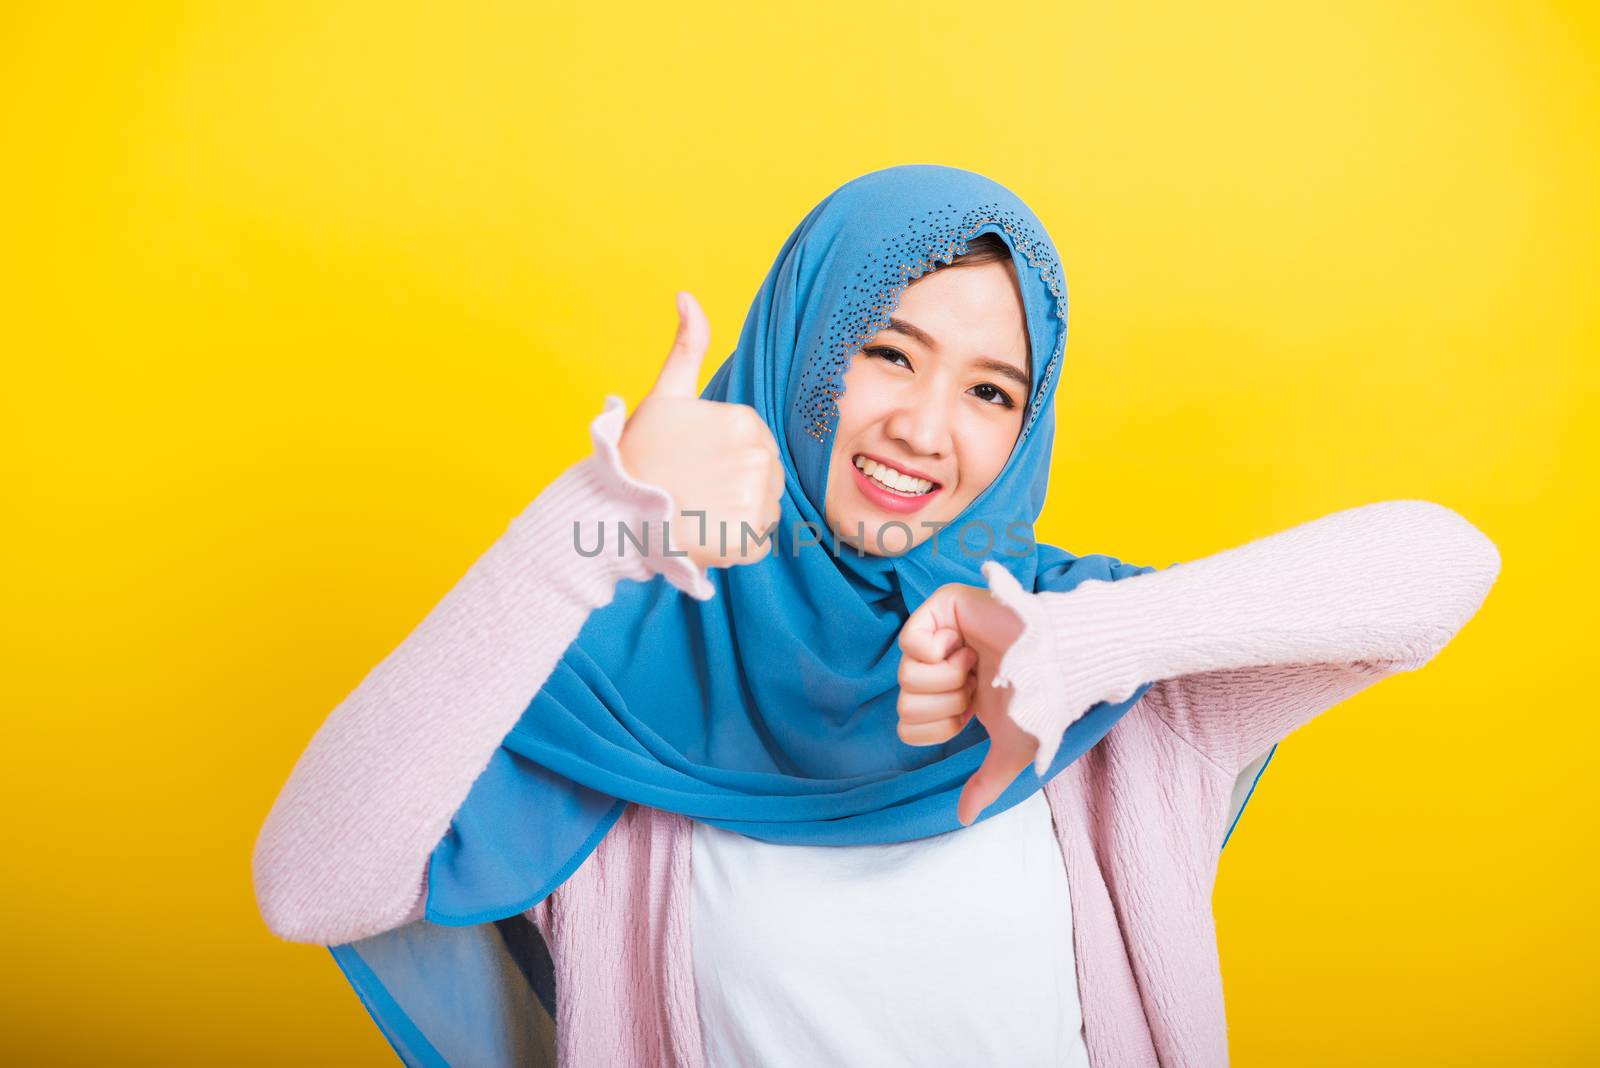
{"x":994,"y":395}
{"x":883,"y":352}
{"x":985,"y":391}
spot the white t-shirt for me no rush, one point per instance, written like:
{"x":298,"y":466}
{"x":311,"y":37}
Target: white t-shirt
{"x":950,"y":950}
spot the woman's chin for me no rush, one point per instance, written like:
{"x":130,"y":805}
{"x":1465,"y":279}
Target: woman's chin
{"x":879,"y":536}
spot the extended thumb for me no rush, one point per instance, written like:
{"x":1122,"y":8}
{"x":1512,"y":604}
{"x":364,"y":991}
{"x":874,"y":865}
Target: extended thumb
{"x":680,"y":374}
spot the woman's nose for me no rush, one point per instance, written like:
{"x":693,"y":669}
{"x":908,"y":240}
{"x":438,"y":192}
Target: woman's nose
{"x":921,"y":423}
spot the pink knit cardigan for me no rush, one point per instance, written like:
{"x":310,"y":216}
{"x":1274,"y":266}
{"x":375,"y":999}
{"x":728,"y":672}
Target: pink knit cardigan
{"x":1248,"y":644}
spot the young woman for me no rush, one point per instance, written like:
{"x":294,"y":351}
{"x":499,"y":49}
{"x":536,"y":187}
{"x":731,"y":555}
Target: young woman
{"x":851,"y":770}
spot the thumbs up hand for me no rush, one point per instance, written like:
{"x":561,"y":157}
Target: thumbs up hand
{"x":950,"y":650}
{"x":710,"y":456}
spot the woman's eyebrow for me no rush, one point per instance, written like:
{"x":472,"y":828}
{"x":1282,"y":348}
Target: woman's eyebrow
{"x":916,"y":333}
{"x":1000,"y":367}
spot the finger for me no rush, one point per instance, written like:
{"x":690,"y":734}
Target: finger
{"x":770,"y":443}
{"x":998,"y":771}
{"x":919,"y":676}
{"x":927,"y":707}
{"x":770,"y":511}
{"x":680,"y":373}
{"x":775,"y":480}
{"x":929,"y":633}
{"x":941,"y":730}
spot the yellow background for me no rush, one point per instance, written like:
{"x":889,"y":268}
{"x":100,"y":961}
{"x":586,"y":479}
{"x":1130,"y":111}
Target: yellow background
{"x":302,"y":303}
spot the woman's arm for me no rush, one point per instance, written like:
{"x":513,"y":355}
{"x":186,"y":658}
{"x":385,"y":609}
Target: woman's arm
{"x":1248,"y":644}
{"x":344,"y":851}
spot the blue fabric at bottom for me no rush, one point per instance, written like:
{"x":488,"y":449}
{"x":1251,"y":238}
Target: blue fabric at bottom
{"x":453,"y":995}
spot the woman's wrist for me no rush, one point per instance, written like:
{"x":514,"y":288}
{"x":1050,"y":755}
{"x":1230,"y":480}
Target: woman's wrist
{"x":1077,"y":649}
{"x":641,"y":509}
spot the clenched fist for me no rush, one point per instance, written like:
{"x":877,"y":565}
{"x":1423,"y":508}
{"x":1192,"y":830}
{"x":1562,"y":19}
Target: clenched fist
{"x":950,"y":649}
{"x":710,"y":456}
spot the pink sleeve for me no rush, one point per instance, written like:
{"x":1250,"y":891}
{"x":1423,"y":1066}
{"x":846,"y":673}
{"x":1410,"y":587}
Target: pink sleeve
{"x":1248,"y":644}
{"x":344,"y":851}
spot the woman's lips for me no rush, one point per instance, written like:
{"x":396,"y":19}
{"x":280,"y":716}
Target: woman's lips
{"x":888,"y":501}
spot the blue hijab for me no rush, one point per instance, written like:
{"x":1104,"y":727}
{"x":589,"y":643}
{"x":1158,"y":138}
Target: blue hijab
{"x":769,"y":708}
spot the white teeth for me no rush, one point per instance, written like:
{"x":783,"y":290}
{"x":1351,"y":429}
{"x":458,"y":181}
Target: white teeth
{"x":889,"y":478}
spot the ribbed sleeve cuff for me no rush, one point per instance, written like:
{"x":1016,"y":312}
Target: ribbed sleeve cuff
{"x":577,"y":522}
{"x":649,"y":504}
{"x":570,"y":536}
{"x":1060,"y":666}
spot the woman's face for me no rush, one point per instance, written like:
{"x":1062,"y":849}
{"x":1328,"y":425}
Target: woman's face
{"x":933,"y":403}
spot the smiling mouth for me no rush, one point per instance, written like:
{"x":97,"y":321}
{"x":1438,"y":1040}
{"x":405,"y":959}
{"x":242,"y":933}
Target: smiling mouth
{"x":894,"y":481}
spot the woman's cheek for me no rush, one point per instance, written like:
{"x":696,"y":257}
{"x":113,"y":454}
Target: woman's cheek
{"x":873,"y":390}
{"x":981,"y":454}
